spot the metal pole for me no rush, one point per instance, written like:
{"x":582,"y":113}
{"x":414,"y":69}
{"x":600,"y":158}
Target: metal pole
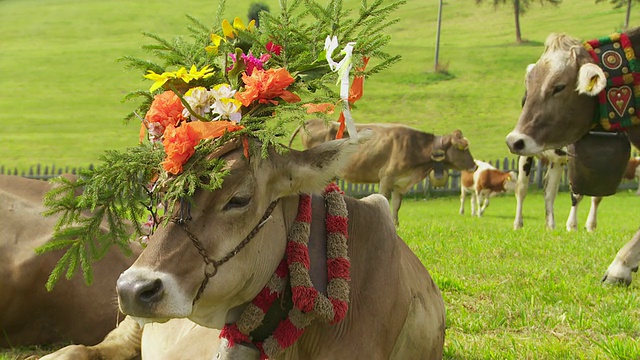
{"x":438,"y":35}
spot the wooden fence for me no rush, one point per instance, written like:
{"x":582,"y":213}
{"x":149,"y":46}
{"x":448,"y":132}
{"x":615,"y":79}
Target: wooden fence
{"x":421,"y":189}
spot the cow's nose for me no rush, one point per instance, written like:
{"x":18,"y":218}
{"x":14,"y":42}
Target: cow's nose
{"x":522,"y":144}
{"x":518,"y":145}
{"x":137,"y":296}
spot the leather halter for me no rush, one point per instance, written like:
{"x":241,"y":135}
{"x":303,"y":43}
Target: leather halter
{"x":182,"y":221}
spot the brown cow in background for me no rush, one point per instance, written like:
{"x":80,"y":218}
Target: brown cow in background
{"x":397,"y":156}
{"x":29,"y":315}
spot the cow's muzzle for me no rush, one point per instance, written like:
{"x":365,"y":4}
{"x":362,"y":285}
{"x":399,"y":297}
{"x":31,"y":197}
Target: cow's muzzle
{"x":521,"y":144}
{"x":138,"y":297}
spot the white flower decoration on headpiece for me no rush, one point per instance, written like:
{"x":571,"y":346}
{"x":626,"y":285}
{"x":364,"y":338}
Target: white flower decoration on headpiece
{"x":342,"y":68}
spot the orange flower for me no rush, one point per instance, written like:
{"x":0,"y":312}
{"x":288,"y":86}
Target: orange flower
{"x":179,"y":143}
{"x":266,"y":85}
{"x":165,"y":109}
{"x":322,"y":107}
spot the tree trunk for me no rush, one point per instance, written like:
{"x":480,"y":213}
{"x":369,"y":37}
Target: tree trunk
{"x":436,"y":67}
{"x":626,"y":20}
{"x":516,"y":11}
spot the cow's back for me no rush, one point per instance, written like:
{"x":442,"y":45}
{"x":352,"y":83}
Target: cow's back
{"x":317,"y":131}
{"x":393,"y":149}
{"x":28,"y":313}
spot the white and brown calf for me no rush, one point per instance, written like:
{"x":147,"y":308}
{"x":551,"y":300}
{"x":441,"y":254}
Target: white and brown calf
{"x":483,"y":183}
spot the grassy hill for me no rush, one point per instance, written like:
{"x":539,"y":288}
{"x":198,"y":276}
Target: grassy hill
{"x":61,"y":86}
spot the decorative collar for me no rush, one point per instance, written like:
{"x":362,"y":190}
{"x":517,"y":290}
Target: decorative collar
{"x":618,"y":102}
{"x":308,"y":303}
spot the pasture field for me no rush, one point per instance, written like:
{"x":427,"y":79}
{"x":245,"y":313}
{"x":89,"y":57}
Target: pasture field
{"x":527,"y":294}
{"x":61,"y":85}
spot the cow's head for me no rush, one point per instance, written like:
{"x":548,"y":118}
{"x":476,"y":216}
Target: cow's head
{"x":165,"y":280}
{"x":561,"y":91}
{"x":454,"y":149}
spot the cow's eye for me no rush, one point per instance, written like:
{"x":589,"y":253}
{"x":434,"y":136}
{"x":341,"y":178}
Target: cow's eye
{"x":558,"y":88}
{"x":237,"y":202}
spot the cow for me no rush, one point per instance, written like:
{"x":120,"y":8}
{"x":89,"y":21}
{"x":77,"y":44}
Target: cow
{"x":29,"y":314}
{"x":397,"y":157}
{"x":556,"y":160}
{"x":483,"y":183}
{"x":632,"y":171}
{"x":563,"y":89}
{"x":236,"y":236}
{"x":172,"y":340}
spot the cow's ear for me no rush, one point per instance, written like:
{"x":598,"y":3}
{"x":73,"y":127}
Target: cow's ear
{"x":309,"y":171}
{"x":591,"y":79}
{"x":529,"y":67}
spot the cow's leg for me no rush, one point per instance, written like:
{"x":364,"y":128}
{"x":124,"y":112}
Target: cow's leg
{"x":626,"y":262}
{"x":396,"y":202}
{"x":572,"y":220}
{"x":592,"y":219}
{"x":551,"y":184}
{"x":463,"y":195}
{"x":483,"y":201}
{"x":474,"y":203}
{"x":524,"y":171}
{"x":122,"y":343}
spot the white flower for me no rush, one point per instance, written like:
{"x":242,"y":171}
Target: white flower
{"x":199,"y":99}
{"x":227,"y":109}
{"x":222,"y":91}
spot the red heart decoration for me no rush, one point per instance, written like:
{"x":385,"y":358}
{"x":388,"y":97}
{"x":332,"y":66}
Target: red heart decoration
{"x":619,"y":99}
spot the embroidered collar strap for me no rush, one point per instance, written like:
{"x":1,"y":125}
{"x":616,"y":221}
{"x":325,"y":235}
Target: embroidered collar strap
{"x":619,"y":101}
{"x":308,"y":303}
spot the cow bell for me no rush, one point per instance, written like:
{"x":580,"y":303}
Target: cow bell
{"x":597,"y":163}
{"x":439,"y":175}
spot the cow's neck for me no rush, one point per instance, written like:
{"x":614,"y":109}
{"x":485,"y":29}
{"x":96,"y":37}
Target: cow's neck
{"x":617,"y":104}
{"x":306,"y":303}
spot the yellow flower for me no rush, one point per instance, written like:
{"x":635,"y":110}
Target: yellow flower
{"x":182,"y":74}
{"x":159,"y":79}
{"x":195,"y":74}
{"x":231,"y":31}
{"x":216,"y":40}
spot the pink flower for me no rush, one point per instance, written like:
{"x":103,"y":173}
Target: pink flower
{"x":251,"y":62}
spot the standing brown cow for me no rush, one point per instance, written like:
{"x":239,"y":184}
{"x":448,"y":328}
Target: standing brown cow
{"x":397,"y":156}
{"x":563,"y":89}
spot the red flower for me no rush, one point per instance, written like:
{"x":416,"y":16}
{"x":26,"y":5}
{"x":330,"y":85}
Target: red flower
{"x":266,"y":85}
{"x":273,"y":48}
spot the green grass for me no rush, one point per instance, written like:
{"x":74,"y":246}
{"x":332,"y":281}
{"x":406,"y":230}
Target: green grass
{"x":527,"y":294}
{"x":61,"y":86}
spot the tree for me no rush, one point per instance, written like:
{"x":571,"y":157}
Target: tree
{"x":520,"y":7}
{"x":254,"y":11}
{"x":617,"y":4}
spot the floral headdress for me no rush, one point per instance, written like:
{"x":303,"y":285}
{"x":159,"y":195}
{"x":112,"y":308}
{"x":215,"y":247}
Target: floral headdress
{"x":233,"y":82}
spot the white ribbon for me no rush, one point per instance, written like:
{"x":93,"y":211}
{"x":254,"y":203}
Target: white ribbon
{"x":342,"y":68}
